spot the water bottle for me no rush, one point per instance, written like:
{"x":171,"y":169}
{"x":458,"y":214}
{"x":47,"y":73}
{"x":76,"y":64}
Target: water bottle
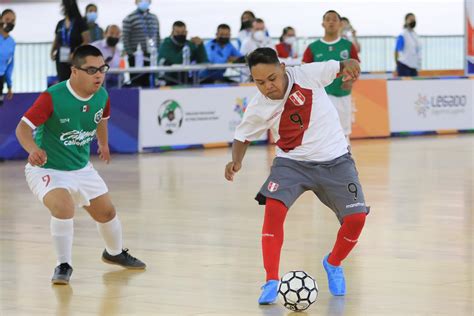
{"x":139,"y":56}
{"x":153,"y":56}
{"x":186,"y":55}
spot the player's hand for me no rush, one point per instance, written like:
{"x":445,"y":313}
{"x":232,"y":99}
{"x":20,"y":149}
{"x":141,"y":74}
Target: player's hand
{"x":351,"y":70}
{"x":9,"y":94}
{"x":37,"y":157}
{"x":104,"y":153}
{"x":230,"y":169}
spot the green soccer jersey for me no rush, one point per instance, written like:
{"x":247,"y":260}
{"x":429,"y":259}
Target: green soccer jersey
{"x":339,"y":50}
{"x":66,"y":124}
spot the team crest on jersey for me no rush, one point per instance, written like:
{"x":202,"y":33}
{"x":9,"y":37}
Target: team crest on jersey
{"x":344,"y":54}
{"x":297,"y":98}
{"x":98,"y":116}
{"x":272,"y":186}
{"x":85,"y":108}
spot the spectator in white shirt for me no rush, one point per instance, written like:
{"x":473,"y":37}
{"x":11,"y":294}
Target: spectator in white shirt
{"x":258,"y":38}
{"x":110,"y":51}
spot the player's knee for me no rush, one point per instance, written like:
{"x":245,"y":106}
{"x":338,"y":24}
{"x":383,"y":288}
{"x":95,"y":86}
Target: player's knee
{"x":61,"y":207}
{"x":108,"y":214}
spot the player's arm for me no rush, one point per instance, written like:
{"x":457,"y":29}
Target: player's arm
{"x":103,"y":135}
{"x":238,"y":152}
{"x":36,"y":115}
{"x":24,"y":134}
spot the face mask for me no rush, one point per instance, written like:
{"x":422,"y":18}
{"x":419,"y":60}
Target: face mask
{"x":91,"y":17}
{"x":412,"y":24}
{"x":247,"y":24}
{"x":112,"y":41}
{"x":290,"y":40}
{"x":143,"y":5}
{"x":223,"y":40}
{"x":259,"y":36}
{"x":8,"y":27}
{"x":180,"y":39}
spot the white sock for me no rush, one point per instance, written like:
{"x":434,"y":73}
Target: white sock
{"x":62,"y":231}
{"x":111,"y":232}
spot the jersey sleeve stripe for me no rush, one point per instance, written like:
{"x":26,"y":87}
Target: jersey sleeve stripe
{"x":27,"y":121}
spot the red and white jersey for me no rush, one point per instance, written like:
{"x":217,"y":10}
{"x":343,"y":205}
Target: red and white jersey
{"x":305,"y":123}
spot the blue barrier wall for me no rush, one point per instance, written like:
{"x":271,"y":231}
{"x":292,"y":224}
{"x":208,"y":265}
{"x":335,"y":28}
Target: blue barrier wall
{"x":123,"y":123}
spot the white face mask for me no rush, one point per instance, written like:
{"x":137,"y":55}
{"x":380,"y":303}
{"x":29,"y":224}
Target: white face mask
{"x":259,"y":36}
{"x":290,"y":40}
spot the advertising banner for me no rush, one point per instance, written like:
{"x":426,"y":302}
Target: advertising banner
{"x":191,"y":116}
{"x":430,"y":105}
{"x":369,"y":98}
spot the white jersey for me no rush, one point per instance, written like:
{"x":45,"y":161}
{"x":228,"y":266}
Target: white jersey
{"x":305,"y":123}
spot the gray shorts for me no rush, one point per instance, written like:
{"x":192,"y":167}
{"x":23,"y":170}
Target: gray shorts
{"x":336,"y":184}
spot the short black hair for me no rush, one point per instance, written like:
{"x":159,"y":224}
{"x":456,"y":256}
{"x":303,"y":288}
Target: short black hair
{"x":6,"y":11}
{"x":258,"y":20}
{"x":263,"y":55}
{"x":409,"y":15}
{"x":178,"y":24}
{"x":90,"y":5}
{"x":80,"y":54}
{"x":332,"y":11}
{"x":345,"y":19}
{"x":223,"y":26}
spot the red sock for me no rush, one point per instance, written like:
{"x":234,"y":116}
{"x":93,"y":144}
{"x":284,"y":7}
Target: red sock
{"x":272,"y":237}
{"x":347,"y":237}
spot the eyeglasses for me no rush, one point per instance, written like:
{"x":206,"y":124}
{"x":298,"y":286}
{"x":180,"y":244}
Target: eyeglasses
{"x":93,"y":70}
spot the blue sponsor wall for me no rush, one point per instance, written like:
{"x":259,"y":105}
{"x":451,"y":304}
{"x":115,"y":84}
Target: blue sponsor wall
{"x":123,"y":123}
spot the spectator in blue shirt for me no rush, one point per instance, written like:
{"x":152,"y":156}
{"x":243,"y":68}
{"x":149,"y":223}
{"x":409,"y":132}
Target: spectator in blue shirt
{"x":7,"y":52}
{"x":219,"y":51}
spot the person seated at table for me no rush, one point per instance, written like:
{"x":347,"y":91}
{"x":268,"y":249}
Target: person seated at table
{"x":219,"y":51}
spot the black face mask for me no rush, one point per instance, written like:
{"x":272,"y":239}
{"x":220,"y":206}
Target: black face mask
{"x":180,"y":39}
{"x":412,"y":24}
{"x":8,"y":27}
{"x":246,"y":24}
{"x":223,"y":40}
{"x":112,"y":41}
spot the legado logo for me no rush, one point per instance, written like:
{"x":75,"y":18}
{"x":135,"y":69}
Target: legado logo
{"x":170,"y":116}
{"x":440,"y":104}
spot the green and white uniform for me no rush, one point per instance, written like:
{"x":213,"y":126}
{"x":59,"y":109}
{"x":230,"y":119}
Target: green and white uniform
{"x":65,"y":125}
{"x":340,"y":95}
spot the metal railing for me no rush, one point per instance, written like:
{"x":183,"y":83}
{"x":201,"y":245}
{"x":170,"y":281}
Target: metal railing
{"x":33,"y":64}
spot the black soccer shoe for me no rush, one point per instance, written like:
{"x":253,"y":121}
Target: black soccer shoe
{"x":62,"y":274}
{"x":123,"y":259}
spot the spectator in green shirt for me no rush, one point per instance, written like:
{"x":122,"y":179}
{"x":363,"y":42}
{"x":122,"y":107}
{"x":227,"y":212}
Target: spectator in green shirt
{"x":176,"y":49}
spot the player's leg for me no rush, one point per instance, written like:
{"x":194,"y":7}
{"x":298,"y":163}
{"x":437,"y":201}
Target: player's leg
{"x":103,"y":212}
{"x":272,"y":242}
{"x":287,"y":181}
{"x":342,"y":192}
{"x":61,"y":205}
{"x":51,"y":187}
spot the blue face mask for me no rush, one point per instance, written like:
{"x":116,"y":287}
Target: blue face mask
{"x":143,"y":5}
{"x":91,"y":17}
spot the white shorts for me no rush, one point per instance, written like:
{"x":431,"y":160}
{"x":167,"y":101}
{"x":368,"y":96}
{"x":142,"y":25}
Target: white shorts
{"x":84,"y":184}
{"x":344,"y":109}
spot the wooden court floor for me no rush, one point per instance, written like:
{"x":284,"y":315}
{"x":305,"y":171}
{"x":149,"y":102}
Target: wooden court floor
{"x":200,"y":237}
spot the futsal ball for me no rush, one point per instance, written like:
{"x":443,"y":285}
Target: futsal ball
{"x":297,"y":290}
